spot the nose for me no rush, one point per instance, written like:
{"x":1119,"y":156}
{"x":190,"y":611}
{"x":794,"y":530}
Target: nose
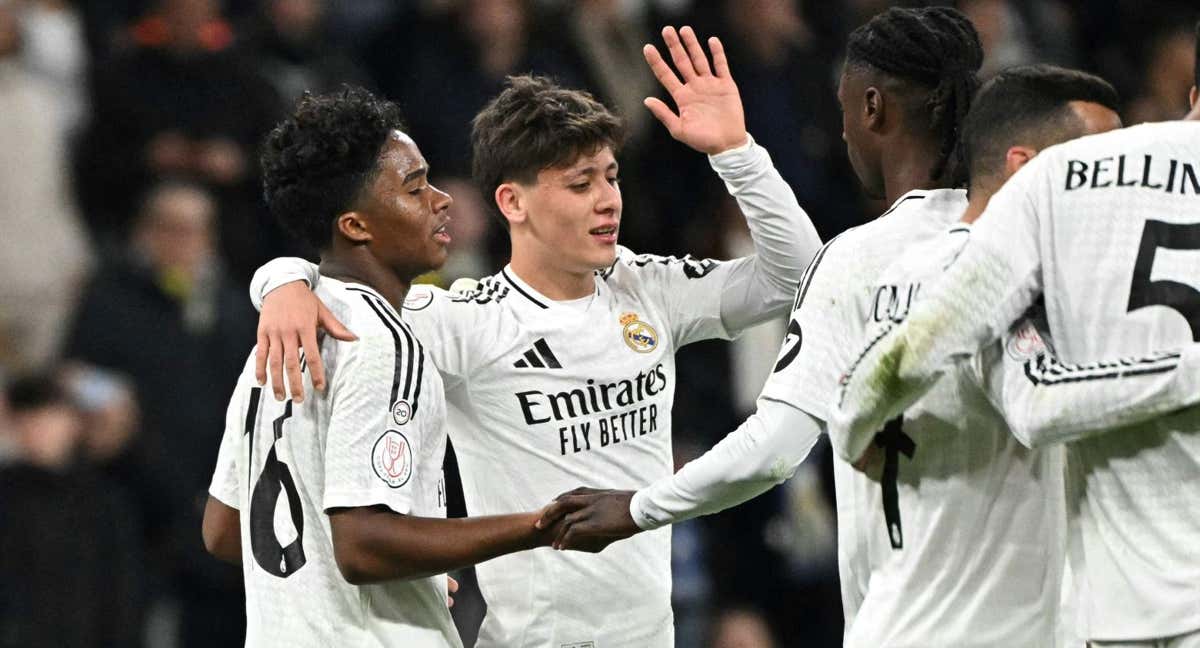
{"x":441,"y":199}
{"x":610,"y":199}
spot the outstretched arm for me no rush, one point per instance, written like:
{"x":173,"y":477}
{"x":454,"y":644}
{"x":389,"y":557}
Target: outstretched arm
{"x":373,"y":544}
{"x":1047,"y":401}
{"x":710,"y":119}
{"x":761,"y":453}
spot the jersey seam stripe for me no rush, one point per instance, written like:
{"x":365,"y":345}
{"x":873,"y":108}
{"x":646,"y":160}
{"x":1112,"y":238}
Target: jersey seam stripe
{"x":1047,"y":370}
{"x":251,"y":418}
{"x":397,"y":348}
{"x":900,"y":202}
{"x":413,"y":343}
{"x":504,"y":273}
{"x":810,"y":271}
{"x":367,"y":291}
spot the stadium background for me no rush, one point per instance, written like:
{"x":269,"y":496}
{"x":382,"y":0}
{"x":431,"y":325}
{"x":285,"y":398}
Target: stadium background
{"x":131,"y":221}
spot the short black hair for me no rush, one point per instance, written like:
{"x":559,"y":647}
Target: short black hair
{"x":1027,"y":104}
{"x":934,"y":48}
{"x":317,"y":161}
{"x":536,"y":124}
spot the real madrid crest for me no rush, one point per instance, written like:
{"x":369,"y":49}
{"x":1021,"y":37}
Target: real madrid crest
{"x":640,"y":336}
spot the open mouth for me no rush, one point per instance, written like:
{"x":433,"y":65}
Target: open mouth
{"x":604,"y":234}
{"x":441,"y":235}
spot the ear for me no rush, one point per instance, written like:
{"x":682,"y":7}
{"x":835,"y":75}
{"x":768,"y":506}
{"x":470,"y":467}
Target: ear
{"x":353,"y":227}
{"x":1193,"y":97}
{"x":1017,"y":157}
{"x":873,"y":109}
{"x":512,"y":200}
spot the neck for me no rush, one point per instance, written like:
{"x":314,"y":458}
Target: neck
{"x":371,"y":273}
{"x":908,"y":164}
{"x":1194,"y":115}
{"x":555,"y":283}
{"x":977,"y":201}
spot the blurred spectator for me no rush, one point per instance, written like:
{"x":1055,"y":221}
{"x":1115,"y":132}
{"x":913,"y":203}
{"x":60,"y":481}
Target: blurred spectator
{"x":43,"y":253}
{"x":182,"y":102}
{"x":1168,"y":76}
{"x":167,"y":316}
{"x":291,"y":49}
{"x":70,"y":558}
{"x":53,"y":49}
{"x":742,"y":628}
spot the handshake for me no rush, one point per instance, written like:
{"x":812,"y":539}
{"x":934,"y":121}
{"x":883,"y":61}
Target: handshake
{"x":586,"y":519}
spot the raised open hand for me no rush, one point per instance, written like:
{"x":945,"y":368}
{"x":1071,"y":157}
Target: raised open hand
{"x":710,"y":117}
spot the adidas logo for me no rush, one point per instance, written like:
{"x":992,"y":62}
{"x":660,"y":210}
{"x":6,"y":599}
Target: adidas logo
{"x":540,"y":357}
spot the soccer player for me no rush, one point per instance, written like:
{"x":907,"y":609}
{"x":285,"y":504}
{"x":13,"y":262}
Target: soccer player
{"x":953,"y":469}
{"x":560,"y":369}
{"x":335,"y":507}
{"x":1101,"y":229}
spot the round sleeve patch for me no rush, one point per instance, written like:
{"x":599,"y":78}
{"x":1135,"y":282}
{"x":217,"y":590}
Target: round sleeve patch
{"x":392,"y":459}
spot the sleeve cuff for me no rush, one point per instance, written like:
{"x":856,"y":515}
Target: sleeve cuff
{"x":741,"y":160}
{"x":275,"y":274}
{"x":641,"y":518}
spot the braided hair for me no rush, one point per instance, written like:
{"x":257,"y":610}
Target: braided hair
{"x":936,"y":48}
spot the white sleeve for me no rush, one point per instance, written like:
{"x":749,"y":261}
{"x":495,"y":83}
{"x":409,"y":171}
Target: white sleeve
{"x":1046,"y":401}
{"x":991,"y":283}
{"x":762,"y":452}
{"x":369,"y":453}
{"x":760,"y":287}
{"x":278,"y":272}
{"x":224,"y":485}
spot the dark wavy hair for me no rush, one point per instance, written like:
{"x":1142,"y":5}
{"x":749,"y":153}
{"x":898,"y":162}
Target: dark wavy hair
{"x":1029,"y":105}
{"x":317,"y":162}
{"x":535,"y":124}
{"x":935,"y":49}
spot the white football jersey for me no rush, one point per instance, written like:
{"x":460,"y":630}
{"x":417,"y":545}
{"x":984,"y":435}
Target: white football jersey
{"x":1107,"y":228}
{"x":376,"y":437}
{"x":548,"y":396}
{"x":952,"y":543}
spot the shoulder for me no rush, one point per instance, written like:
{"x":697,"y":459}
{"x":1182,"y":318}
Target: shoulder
{"x":656,"y":264}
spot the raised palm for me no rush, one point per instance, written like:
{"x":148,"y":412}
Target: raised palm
{"x":710,"y":117}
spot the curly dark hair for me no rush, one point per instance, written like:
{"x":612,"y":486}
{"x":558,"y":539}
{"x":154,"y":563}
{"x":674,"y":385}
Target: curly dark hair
{"x":535,"y":124}
{"x":317,"y":162}
{"x":938,"y":50}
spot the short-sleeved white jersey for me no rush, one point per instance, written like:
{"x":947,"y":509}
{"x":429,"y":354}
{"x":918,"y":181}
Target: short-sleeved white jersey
{"x":376,"y":437}
{"x":1107,"y":228}
{"x":947,"y":545}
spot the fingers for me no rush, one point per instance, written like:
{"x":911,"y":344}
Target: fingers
{"x":563,"y":505}
{"x":720,"y":63}
{"x":291,"y":363}
{"x":260,"y":358}
{"x":662,"y":71}
{"x":451,"y":584}
{"x":663,"y":114}
{"x":679,"y":55}
{"x":312,"y":352}
{"x":695,"y":52}
{"x":333,"y":326}
{"x":570,"y":521}
{"x":275,"y":362}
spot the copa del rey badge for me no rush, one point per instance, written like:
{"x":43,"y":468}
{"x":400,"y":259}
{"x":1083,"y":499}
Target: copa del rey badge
{"x":640,"y":336}
{"x":392,"y":459}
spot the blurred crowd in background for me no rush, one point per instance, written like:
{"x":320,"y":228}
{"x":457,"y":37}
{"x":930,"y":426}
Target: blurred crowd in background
{"x":131,"y":220}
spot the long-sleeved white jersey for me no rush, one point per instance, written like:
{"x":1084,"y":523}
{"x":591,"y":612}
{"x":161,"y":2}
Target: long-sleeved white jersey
{"x":1106,"y":228}
{"x":546,"y":396}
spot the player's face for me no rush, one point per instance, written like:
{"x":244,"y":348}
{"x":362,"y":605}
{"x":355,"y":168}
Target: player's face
{"x":851,"y":96}
{"x":406,"y":215}
{"x":574,"y":212}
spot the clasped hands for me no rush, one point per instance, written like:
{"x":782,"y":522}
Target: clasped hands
{"x":588,"y":519}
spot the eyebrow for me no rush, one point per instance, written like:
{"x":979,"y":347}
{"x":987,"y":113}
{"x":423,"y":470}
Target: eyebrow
{"x":413,"y":175}
{"x":588,"y":170}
